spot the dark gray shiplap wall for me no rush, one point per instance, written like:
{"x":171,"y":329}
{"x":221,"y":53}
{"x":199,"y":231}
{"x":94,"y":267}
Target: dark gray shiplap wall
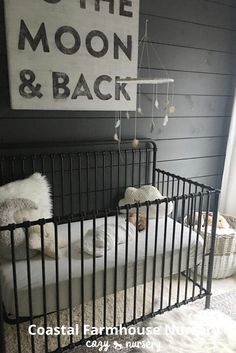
{"x":196,"y":41}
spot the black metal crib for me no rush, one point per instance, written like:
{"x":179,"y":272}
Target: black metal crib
{"x":87,"y":181}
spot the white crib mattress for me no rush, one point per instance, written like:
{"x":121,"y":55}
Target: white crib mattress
{"x":36,"y":268}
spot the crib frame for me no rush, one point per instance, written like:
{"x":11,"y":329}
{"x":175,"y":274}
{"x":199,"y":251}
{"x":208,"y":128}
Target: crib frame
{"x":109,"y":170}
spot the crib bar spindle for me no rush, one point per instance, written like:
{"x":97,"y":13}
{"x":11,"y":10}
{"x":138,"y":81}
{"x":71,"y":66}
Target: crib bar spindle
{"x":15,"y":290}
{"x":163,"y":183}
{"x":44,"y":285}
{"x":155,"y":258}
{"x":42,"y":157}
{"x":116,"y":264}
{"x":70,"y":280}
{"x":103,"y":178}
{"x":146,"y":167}
{"x":133,"y":164}
{"x":164,"y":255}
{"x":173,"y":186}
{"x":145,"y":260}
{"x":189,"y":244}
{"x":94,"y":270}
{"x":195,"y":205}
{"x":172,"y":249}
{"x":29,"y":285}
{"x":118,"y":174}
{"x":52,"y":158}
{"x":196,"y":245}
{"x":212,"y":249}
{"x":181,"y":248}
{"x":139,"y":168}
{"x":136,"y":264}
{"x":71,"y":185}
{"x":57,"y":281}
{"x":126,"y":168}
{"x":126,"y":262}
{"x":80,"y":182}
{"x":158,"y":180}
{"x":204,"y":242}
{"x":167,"y":187}
{"x":82,"y":276}
{"x":62,"y":185}
{"x":105,"y":273}
{"x":87,"y":180}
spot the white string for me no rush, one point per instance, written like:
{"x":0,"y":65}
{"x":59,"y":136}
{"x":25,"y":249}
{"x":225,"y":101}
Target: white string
{"x":173,"y":93}
{"x":135,"y":126}
{"x":119,"y":131}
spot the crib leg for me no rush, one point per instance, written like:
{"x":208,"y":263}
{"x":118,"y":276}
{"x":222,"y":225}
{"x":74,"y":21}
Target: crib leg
{"x":208,"y":301}
{"x":212,"y":250}
{"x":2,"y":341}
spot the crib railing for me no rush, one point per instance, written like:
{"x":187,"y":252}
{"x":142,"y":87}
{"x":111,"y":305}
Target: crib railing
{"x":122,"y":293}
{"x":201,"y":287}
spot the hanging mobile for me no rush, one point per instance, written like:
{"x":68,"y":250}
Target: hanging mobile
{"x":169,"y":107}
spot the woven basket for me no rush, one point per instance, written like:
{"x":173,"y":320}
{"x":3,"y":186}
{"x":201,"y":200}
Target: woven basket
{"x":225,"y":251}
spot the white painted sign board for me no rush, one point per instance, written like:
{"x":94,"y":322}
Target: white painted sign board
{"x":67,"y":54}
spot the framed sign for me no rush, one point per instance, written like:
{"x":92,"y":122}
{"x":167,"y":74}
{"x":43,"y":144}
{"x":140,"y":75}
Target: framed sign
{"x":67,"y":55}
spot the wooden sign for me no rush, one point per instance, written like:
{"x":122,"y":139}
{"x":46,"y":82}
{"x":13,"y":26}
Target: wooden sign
{"x":67,"y":54}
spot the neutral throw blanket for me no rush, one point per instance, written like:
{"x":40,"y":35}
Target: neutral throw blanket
{"x":100,"y":235}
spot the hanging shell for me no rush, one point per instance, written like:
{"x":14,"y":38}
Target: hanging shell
{"x":117,"y":124}
{"x":153,"y":125}
{"x":172,"y":109}
{"x":127,"y":115}
{"x":135,"y":142}
{"x":166,"y":119}
{"x":116,"y":138}
{"x":156,"y":103}
{"x":139,"y":110}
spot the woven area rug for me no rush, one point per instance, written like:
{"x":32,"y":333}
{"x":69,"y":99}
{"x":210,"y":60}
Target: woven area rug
{"x":183,"y":330}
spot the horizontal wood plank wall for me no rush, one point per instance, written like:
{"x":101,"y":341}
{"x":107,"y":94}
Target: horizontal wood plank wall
{"x":196,"y":40}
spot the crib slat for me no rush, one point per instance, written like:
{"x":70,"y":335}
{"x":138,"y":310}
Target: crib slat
{"x":145,"y":260}
{"x":70,"y":282}
{"x":105,"y":273}
{"x":136,"y":264}
{"x":164,"y":256}
{"x":204,"y":243}
{"x":82,"y":276}
{"x":126,"y":263}
{"x":57,"y":282}
{"x":15,"y":290}
{"x":155,"y":257}
{"x":116,"y":264}
{"x":94,"y":270}
{"x":44,"y":286}
{"x":189,"y":245}
{"x":172,"y":249}
{"x":180,"y":249}
{"x":196,"y":245}
{"x":29,"y":285}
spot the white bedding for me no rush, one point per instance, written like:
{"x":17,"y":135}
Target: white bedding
{"x":36,"y":268}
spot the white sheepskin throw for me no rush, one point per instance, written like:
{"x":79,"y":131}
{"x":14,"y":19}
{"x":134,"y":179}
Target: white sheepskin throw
{"x":34,"y":188}
{"x":37,"y":189}
{"x":143,"y":194}
{"x":189,"y":329}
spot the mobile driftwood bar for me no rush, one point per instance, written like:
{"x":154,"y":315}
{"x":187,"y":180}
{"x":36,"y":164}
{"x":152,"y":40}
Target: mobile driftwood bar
{"x":160,"y":270}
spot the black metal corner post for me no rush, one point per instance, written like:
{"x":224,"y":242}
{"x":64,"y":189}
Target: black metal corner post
{"x":2,"y":341}
{"x":212,"y":250}
{"x":154,"y":163}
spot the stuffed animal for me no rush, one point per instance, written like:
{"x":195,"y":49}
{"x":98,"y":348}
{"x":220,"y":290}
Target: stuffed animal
{"x":146,"y":193}
{"x":10,"y":211}
{"x":221,"y":221}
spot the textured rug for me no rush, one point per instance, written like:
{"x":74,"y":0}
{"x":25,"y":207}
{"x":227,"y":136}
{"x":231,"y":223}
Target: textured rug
{"x":187,"y":329}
